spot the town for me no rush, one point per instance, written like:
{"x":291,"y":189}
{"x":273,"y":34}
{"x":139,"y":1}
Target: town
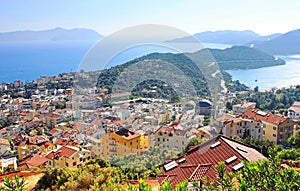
{"x":42,"y":126}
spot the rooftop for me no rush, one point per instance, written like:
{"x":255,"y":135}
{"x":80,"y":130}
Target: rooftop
{"x":201,"y":160}
{"x":265,"y":116}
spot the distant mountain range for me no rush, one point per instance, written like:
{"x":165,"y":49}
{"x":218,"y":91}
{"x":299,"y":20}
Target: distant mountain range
{"x":57,"y":34}
{"x":222,"y":37}
{"x":279,"y":44}
{"x":288,"y":43}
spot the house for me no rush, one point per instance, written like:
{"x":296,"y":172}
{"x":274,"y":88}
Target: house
{"x":294,"y":111}
{"x":54,"y":132}
{"x":242,"y":107}
{"x":14,"y":106}
{"x":201,"y":161}
{"x":4,"y":146}
{"x":52,"y":119}
{"x":276,"y":128}
{"x":30,"y":145}
{"x":239,"y":125}
{"x":230,"y":125}
{"x":68,"y":156}
{"x":170,"y":137}
{"x":8,"y":160}
{"x":123,"y":142}
{"x":36,"y":160}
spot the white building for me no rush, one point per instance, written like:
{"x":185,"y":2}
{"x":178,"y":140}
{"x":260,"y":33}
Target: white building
{"x":294,"y":111}
{"x":242,"y":107}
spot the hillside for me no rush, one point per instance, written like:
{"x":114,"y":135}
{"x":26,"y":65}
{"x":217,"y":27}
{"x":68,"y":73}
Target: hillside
{"x":240,"y":57}
{"x":263,"y":39}
{"x":285,"y":44}
{"x":231,"y":58}
{"x":57,"y":34}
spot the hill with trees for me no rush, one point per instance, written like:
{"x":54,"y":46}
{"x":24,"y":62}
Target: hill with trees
{"x":182,"y":67}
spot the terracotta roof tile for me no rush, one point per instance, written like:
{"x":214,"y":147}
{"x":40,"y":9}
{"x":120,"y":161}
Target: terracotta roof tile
{"x":35,"y":160}
{"x":61,"y":152}
{"x":201,"y":160}
{"x":265,"y":116}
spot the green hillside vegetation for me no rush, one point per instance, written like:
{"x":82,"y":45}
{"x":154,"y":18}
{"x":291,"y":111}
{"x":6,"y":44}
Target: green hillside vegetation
{"x":166,"y":64}
{"x":240,"y":57}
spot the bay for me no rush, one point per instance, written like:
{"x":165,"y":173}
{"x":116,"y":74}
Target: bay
{"x":271,"y":77}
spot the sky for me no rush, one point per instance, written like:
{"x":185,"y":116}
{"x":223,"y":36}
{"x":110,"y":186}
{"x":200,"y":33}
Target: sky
{"x":107,"y":16}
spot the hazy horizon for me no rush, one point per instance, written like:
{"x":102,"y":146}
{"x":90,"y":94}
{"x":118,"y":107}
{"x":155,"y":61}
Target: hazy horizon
{"x":192,"y":16}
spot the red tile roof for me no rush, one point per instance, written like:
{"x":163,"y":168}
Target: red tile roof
{"x":36,"y":160}
{"x":52,"y":115}
{"x":201,"y":160}
{"x":52,"y":131}
{"x":4,"y":142}
{"x":61,"y":152}
{"x":265,"y":116}
{"x":64,"y":142}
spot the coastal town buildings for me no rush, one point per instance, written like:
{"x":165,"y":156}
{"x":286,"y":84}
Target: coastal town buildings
{"x":276,"y":128}
{"x":45,"y":123}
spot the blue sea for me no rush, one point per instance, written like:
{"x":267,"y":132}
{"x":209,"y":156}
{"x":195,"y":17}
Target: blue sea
{"x":28,"y":61}
{"x":270,"y":77}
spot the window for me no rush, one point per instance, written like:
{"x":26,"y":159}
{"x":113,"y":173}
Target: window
{"x":274,"y":128}
{"x":274,"y":135}
{"x":280,"y":136}
{"x":74,"y":163}
{"x":67,"y":164}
